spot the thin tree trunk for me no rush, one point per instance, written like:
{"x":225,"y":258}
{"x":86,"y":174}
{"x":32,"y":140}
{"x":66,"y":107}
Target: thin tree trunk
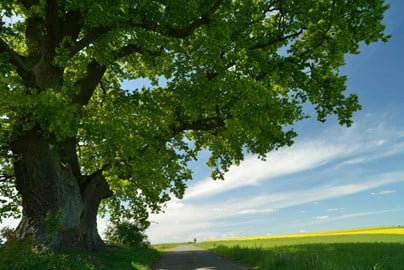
{"x":59,"y":205}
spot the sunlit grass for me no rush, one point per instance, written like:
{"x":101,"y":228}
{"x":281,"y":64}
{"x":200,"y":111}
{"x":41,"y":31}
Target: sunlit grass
{"x":365,"y":248}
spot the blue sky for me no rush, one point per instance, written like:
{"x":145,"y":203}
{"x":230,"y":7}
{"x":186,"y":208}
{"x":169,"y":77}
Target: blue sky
{"x":333,"y":177}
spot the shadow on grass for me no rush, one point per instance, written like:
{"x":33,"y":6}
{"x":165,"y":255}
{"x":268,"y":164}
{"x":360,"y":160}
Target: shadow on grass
{"x":23,"y":256}
{"x":349,"y":256}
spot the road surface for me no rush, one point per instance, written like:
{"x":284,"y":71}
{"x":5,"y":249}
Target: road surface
{"x":192,"y":258}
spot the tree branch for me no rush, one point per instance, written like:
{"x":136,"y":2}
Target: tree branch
{"x":132,"y":48}
{"x":71,"y":25}
{"x":99,"y":31}
{"x":95,"y":183}
{"x":56,"y":28}
{"x":19,"y":62}
{"x":204,"y":19}
{"x":16,"y":59}
{"x":205,"y":124}
{"x":148,"y":25}
{"x":87,"y":85}
{"x":263,"y":45}
{"x":184,"y":31}
{"x":88,"y":39}
{"x":202,"y":124}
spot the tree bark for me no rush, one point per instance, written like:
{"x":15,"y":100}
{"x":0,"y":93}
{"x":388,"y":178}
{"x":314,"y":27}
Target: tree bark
{"x":59,"y":204}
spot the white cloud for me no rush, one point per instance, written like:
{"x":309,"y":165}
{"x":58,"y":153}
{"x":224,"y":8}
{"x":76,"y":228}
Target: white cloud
{"x":252,"y":171}
{"x":381,"y":151}
{"x":174,"y":204}
{"x":362,"y":214}
{"x":256,"y":211}
{"x":192,"y":219}
{"x":361,"y":144}
{"x":383,"y":192}
{"x":325,"y":192}
{"x":334,"y":209}
{"x":352,"y":215}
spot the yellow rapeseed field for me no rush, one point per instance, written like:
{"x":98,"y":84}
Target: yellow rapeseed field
{"x":372,"y":230}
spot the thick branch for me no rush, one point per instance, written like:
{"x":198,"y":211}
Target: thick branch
{"x":88,"y":39}
{"x":19,"y":62}
{"x":95,"y":71}
{"x":58,"y":27}
{"x":96,"y":181}
{"x":72,"y":25}
{"x":16,"y":59}
{"x":87,"y":85}
{"x":52,"y":25}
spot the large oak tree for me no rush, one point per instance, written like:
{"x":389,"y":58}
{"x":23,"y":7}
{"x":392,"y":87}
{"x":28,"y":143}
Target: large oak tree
{"x":229,"y":76}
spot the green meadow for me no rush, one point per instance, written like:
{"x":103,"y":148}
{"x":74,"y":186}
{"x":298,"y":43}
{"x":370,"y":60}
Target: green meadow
{"x":368,"y":248}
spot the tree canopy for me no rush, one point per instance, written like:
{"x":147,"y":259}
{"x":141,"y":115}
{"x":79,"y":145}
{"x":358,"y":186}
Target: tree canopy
{"x":228,"y":76}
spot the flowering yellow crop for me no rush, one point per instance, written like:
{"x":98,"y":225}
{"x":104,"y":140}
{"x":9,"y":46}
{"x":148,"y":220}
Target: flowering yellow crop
{"x":373,"y":230}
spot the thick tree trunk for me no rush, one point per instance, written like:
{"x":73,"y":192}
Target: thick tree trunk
{"x":59,"y":204}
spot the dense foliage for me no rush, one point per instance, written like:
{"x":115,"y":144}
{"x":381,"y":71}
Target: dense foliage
{"x":229,"y":76}
{"x":126,"y":233}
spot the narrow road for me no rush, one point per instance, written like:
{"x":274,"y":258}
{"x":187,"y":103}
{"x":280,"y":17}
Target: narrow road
{"x":192,"y":258}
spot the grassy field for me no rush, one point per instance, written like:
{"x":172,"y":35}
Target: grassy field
{"x":22,"y":256}
{"x":365,"y":248}
{"x":115,"y":258}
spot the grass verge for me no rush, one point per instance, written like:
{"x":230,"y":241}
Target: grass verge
{"x":23,"y":256}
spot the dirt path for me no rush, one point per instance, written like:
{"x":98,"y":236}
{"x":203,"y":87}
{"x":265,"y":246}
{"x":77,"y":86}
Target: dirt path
{"x":192,"y":258}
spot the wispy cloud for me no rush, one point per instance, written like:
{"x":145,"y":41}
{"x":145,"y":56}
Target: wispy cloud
{"x":284,"y":162}
{"x":201,"y":211}
{"x":194,"y":219}
{"x":319,"y":193}
{"x":334,"y":209}
{"x":383,"y":192}
{"x":256,"y":211}
{"x":352,"y":215}
{"x":358,"y":145}
{"x":322,"y":220}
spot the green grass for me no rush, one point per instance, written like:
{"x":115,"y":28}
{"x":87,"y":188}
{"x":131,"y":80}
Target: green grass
{"x":22,"y":256}
{"x":328,"y":252}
